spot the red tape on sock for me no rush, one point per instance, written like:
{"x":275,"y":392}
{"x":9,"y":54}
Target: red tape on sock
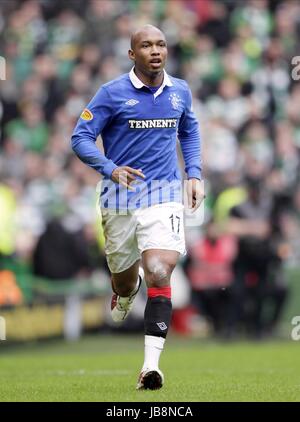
{"x":159,"y":291}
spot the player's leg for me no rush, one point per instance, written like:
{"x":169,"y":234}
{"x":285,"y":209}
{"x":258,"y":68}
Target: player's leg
{"x":123,"y":283}
{"x":126,"y":285}
{"x":123,"y":258}
{"x":158,"y":266}
{"x":160,"y":237}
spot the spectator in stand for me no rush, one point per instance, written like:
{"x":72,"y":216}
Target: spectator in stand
{"x":60,"y":253}
{"x":31,"y":130}
{"x":209,"y":269}
{"x":250,"y":222}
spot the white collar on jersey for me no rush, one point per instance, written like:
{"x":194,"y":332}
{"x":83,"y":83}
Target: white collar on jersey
{"x":137,"y":83}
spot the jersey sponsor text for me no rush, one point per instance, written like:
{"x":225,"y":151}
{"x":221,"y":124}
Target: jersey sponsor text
{"x":152,"y":123}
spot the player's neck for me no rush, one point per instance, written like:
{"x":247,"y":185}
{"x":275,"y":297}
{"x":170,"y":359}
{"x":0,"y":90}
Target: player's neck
{"x":153,"y":80}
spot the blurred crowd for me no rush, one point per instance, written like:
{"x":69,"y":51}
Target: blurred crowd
{"x":236,"y":57}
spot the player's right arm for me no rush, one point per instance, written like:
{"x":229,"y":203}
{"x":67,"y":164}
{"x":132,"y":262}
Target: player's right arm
{"x":95,"y":117}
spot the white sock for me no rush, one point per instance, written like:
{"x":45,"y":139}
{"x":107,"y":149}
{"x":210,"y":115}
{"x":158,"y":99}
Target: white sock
{"x":153,"y":348}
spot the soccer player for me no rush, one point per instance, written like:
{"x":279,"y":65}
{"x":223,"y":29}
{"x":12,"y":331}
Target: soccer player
{"x":139,"y":116}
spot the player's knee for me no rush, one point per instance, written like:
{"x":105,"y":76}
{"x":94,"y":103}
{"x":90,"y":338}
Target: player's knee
{"x":158,"y":274}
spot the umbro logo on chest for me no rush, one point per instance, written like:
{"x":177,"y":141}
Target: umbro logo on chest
{"x":132,"y":102}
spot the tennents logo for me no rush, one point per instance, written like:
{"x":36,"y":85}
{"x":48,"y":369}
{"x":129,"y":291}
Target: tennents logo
{"x":152,"y":124}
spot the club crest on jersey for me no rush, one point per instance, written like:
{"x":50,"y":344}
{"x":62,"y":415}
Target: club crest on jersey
{"x":175,"y":100}
{"x":132,"y":102}
{"x":87,"y":115}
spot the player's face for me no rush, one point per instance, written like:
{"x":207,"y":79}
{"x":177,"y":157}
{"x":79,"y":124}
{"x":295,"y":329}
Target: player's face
{"x":150,"y":52}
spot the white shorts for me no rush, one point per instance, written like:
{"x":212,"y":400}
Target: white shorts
{"x":127,"y":236}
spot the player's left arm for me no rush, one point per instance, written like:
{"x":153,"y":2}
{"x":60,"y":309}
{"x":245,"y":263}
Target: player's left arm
{"x":189,"y":137}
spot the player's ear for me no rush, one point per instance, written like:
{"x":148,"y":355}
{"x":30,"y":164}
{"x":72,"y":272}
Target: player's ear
{"x":131,"y":55}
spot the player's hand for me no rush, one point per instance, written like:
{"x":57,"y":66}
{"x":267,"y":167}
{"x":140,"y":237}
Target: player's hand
{"x":195,"y":193}
{"x":125,"y":175}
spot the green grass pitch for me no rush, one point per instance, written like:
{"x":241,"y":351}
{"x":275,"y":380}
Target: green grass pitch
{"x":105,"y":368}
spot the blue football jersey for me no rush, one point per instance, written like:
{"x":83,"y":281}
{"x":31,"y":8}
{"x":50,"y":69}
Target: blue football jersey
{"x":139,"y":128}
